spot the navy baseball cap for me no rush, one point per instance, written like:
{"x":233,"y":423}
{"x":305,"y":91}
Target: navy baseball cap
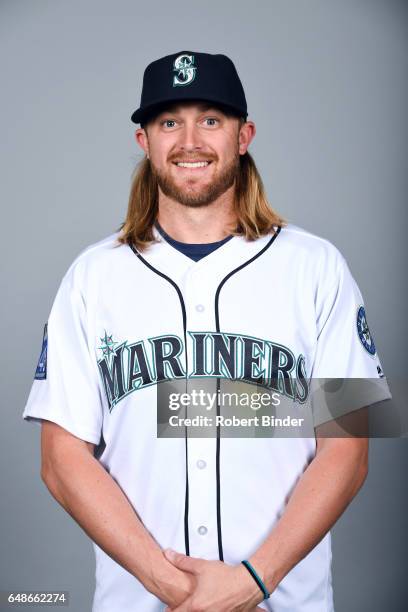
{"x":188,"y":75}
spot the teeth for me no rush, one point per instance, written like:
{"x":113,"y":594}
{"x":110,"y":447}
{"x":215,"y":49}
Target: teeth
{"x":192,"y":164}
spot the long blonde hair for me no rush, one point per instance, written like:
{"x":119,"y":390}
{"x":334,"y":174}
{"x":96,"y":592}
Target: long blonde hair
{"x":255,"y":217}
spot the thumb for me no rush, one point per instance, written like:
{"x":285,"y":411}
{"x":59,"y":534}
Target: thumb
{"x":183,"y":562}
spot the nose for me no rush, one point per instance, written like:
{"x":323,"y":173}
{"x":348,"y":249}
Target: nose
{"x":190,"y":138}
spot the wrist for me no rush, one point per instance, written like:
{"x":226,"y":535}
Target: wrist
{"x":249,"y":593}
{"x":265,"y":571}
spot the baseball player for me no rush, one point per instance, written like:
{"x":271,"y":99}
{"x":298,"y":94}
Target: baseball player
{"x":203,"y":284}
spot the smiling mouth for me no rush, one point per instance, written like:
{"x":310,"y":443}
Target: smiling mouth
{"x":193,"y":165}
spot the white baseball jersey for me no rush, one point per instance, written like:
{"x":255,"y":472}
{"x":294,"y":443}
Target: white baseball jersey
{"x":284,"y":307}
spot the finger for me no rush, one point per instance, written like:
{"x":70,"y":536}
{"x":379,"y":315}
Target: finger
{"x":183,"y":562}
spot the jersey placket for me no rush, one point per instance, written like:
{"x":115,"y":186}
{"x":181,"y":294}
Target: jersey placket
{"x":201,"y":443}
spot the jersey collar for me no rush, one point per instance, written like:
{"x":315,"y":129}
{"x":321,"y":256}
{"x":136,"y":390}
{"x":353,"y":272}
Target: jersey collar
{"x":235,"y":252}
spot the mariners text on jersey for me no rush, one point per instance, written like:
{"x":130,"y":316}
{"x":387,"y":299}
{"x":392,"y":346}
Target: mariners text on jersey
{"x":130,"y":367}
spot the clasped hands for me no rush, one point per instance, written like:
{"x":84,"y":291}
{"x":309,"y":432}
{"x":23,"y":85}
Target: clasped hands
{"x":216,"y":586}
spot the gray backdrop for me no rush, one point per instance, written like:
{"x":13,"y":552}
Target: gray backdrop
{"x":326,"y":84}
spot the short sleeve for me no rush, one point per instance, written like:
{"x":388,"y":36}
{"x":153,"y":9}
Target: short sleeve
{"x":345,"y":350}
{"x":65,"y":389}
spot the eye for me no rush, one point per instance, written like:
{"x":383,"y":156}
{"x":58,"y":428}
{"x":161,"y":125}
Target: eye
{"x":212,"y":119}
{"x":165,"y":121}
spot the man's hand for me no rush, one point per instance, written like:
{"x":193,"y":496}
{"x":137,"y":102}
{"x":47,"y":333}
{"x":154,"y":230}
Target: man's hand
{"x":219,"y":587}
{"x":171,"y":585}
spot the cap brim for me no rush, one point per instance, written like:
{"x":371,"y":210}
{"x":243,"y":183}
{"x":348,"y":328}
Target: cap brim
{"x":142,"y":114}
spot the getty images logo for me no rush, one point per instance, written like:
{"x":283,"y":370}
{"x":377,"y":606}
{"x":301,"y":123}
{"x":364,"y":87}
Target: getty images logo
{"x":184,"y":69}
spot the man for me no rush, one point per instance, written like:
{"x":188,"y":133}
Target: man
{"x":203,"y":286}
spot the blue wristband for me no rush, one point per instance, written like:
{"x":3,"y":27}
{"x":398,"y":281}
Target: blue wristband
{"x":257,"y":579}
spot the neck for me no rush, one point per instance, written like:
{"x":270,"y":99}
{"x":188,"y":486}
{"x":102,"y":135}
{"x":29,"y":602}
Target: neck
{"x":198,"y":225}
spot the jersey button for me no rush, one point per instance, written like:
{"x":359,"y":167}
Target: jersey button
{"x":199,"y":308}
{"x":202,"y":530}
{"x":201,"y":464}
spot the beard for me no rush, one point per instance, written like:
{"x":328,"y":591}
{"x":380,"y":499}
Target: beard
{"x":190,"y":193}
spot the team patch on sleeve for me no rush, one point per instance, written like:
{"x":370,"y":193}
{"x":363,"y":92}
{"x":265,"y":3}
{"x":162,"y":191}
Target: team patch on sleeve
{"x":41,"y":371}
{"x":363,"y":331}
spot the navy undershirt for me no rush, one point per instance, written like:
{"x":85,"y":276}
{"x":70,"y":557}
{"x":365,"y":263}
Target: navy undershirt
{"x":194,"y":251}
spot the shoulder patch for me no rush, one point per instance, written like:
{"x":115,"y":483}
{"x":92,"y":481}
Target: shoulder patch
{"x":41,"y":371}
{"x":363,"y":331}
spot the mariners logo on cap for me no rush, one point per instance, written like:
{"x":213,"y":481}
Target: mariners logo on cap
{"x":184,"y":69}
{"x":363,"y":331}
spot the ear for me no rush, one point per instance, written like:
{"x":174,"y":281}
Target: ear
{"x":246,"y":134}
{"x":142,"y":140}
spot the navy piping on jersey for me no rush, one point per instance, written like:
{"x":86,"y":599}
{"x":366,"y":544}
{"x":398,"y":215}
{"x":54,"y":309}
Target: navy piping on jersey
{"x":193,"y":250}
{"x":217,"y":324}
{"x":217,"y":320}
